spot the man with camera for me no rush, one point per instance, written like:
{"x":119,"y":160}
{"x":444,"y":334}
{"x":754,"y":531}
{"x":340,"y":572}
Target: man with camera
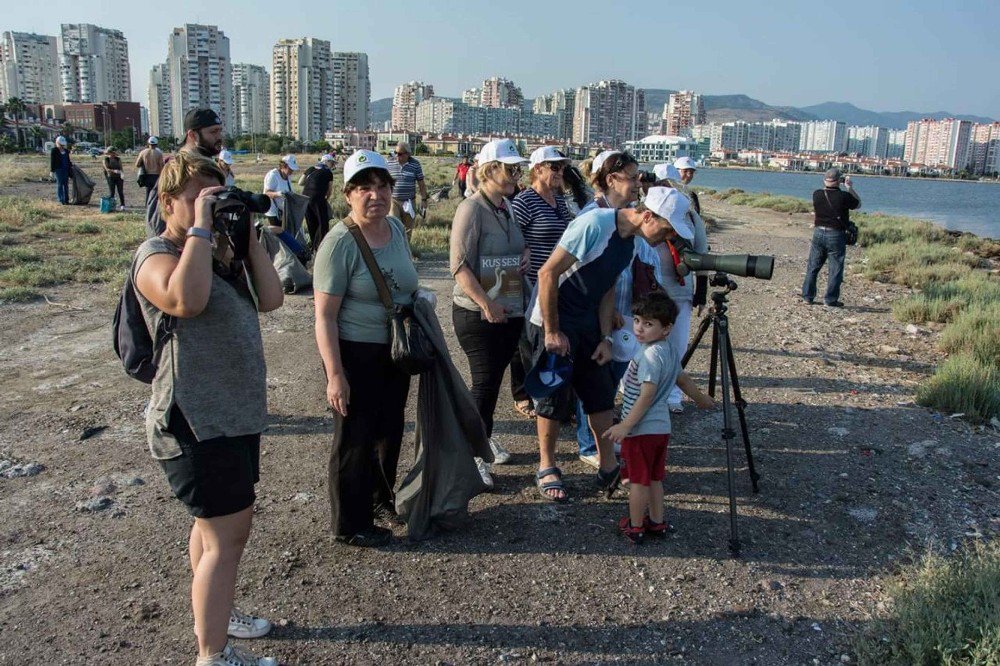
{"x":832,"y":207}
{"x":203,"y":136}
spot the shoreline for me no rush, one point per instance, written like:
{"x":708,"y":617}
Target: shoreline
{"x":860,"y":175}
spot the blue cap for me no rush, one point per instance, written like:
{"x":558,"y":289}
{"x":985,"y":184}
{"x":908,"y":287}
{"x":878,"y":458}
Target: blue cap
{"x":549,"y":374}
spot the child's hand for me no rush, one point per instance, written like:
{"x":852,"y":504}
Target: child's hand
{"x":704,"y":401}
{"x":616,"y":433}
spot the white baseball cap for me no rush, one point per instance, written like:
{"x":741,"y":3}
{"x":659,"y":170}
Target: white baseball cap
{"x":666,"y":172}
{"x":500,"y":150}
{"x":361,"y":160}
{"x":291,"y":162}
{"x":226,"y":157}
{"x":601,"y":158}
{"x":672,"y":206}
{"x":153,"y":141}
{"x":61,"y":140}
{"x":685,"y":163}
{"x":545,"y":154}
{"x":328,"y":158}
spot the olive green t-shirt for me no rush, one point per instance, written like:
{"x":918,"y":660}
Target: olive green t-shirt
{"x":340,"y":270}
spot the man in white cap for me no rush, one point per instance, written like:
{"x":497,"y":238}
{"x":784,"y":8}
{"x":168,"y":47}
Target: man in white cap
{"x":149,"y":162}
{"x":573,"y":314}
{"x":278,"y":183}
{"x":832,"y":208}
{"x":409,"y":177}
{"x":225,"y":161}
{"x":60,"y":165}
{"x":686,"y":168}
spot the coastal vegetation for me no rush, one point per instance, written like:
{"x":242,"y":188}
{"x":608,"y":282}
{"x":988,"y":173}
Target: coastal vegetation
{"x":953,"y":287}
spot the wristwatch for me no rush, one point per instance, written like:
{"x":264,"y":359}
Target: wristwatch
{"x":609,"y":339}
{"x":198,"y":232}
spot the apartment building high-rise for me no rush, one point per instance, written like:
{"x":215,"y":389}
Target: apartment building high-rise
{"x":251,"y":99}
{"x":29,"y":68}
{"x":560,"y":104}
{"x":471,"y":96}
{"x":682,"y":111}
{"x":201,"y":74}
{"x":161,"y":121}
{"x":500,"y":93}
{"x":439,"y":115}
{"x":352,"y":90}
{"x":823,"y":136}
{"x":984,"y":149}
{"x":93,"y":64}
{"x":938,"y":143}
{"x":405,"y":99}
{"x":302,"y":87}
{"x":868,"y":141}
{"x":609,"y":112}
{"x":895,"y":144}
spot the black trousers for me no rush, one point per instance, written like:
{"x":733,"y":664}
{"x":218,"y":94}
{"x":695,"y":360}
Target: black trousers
{"x":317,"y":221}
{"x":363,"y":464}
{"x":116,"y":183}
{"x":518,"y":369}
{"x":489,"y":348}
{"x":149,"y":182}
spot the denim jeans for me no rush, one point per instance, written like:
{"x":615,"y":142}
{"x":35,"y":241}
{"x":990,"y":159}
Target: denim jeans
{"x":826,"y":244}
{"x":62,"y":185}
{"x":585,"y":438}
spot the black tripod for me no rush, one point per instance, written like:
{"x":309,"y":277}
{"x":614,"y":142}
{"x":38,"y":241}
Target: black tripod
{"x":723,"y":361}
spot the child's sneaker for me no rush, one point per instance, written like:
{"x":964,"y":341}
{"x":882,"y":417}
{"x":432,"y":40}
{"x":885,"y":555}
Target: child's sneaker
{"x":657,"y":530}
{"x":233,"y":656}
{"x":242,"y":625}
{"x":636,"y":535}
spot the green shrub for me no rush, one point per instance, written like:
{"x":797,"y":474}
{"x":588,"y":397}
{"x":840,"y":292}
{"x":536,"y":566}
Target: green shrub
{"x":976,"y":331}
{"x":964,"y":384}
{"x":941,"y":301}
{"x":18,"y":213}
{"x":944,"y":611}
{"x":431,"y":241}
{"x":18,"y":295}
{"x":87,"y":228}
{"x":878,"y":228}
{"x":916,"y":262}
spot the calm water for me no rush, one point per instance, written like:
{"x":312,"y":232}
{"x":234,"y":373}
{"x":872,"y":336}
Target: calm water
{"x":954,"y":205}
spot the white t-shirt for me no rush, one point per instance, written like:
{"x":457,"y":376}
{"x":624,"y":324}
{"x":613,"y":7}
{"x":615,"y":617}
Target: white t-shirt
{"x":273,"y":182}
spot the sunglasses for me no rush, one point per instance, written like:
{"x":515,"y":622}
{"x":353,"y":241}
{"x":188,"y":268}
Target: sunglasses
{"x":401,"y":154}
{"x":556,"y":166}
{"x":513,"y":170}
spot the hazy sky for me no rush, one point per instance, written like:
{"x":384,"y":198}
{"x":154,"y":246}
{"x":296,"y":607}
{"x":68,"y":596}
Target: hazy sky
{"x":885,"y":55}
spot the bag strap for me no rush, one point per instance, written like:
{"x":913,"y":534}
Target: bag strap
{"x":369,"y":257}
{"x":830,"y":204}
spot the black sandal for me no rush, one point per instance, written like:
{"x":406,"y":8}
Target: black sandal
{"x":550,"y":485}
{"x":608,"y":482}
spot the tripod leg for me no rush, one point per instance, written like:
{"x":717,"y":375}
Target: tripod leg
{"x":702,"y":327}
{"x":722,"y":336}
{"x":741,"y":410}
{"x":713,"y":364}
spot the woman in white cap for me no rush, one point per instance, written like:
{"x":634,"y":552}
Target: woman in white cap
{"x":364,"y":387}
{"x":225,"y":162}
{"x":60,"y":166}
{"x":542,"y":215}
{"x":614,"y":174}
{"x":488,"y":258}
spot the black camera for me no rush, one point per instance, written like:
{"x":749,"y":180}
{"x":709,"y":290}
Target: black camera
{"x":647,"y":178}
{"x":231,"y":217}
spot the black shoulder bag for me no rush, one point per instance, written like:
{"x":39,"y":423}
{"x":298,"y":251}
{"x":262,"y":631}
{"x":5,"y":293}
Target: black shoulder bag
{"x":850,"y":229}
{"x":412,"y":352}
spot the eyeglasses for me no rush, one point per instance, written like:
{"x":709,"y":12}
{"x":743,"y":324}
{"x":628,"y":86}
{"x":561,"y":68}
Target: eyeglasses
{"x":401,"y":154}
{"x":556,"y":166}
{"x":513,"y":170}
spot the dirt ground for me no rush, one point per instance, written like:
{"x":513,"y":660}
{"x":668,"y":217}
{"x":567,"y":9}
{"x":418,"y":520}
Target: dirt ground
{"x":855,"y":479}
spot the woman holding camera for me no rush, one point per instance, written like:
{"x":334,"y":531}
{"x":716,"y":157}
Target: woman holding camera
{"x":209,"y":396}
{"x":365,"y":389}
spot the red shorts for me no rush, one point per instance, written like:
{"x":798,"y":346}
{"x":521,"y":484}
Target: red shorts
{"x":644,"y":458}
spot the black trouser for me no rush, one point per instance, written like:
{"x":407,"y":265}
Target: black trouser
{"x":317,"y":221}
{"x":518,"y":371}
{"x":461,"y":189}
{"x":149,"y":182}
{"x":116,"y":183}
{"x":489,"y":348}
{"x":362,"y":468}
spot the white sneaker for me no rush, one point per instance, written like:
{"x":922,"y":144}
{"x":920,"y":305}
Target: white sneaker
{"x":501,"y":456}
{"x":121,"y":207}
{"x":233,"y":656}
{"x":591,"y":459}
{"x":242,"y":625}
{"x":484,"y":471}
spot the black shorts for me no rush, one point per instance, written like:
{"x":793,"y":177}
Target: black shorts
{"x":215,"y":477}
{"x":594,"y":384}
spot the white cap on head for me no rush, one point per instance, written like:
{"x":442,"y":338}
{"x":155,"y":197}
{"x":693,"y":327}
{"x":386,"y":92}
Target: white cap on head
{"x":361,"y":160}
{"x":328,"y":158}
{"x":152,"y":141}
{"x":226,"y":157}
{"x":601,"y":158}
{"x":291,"y":162}
{"x":61,"y":140}
{"x":671,"y":205}
{"x":500,"y":150}
{"x":685,"y":163}
{"x":545,"y":154}
{"x":666,"y":172}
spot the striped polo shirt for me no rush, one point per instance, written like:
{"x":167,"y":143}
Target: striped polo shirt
{"x":406,"y":177}
{"x":541,"y":225}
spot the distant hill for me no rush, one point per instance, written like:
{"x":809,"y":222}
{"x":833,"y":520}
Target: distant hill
{"x":852,"y":115}
{"x":725,"y":108}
